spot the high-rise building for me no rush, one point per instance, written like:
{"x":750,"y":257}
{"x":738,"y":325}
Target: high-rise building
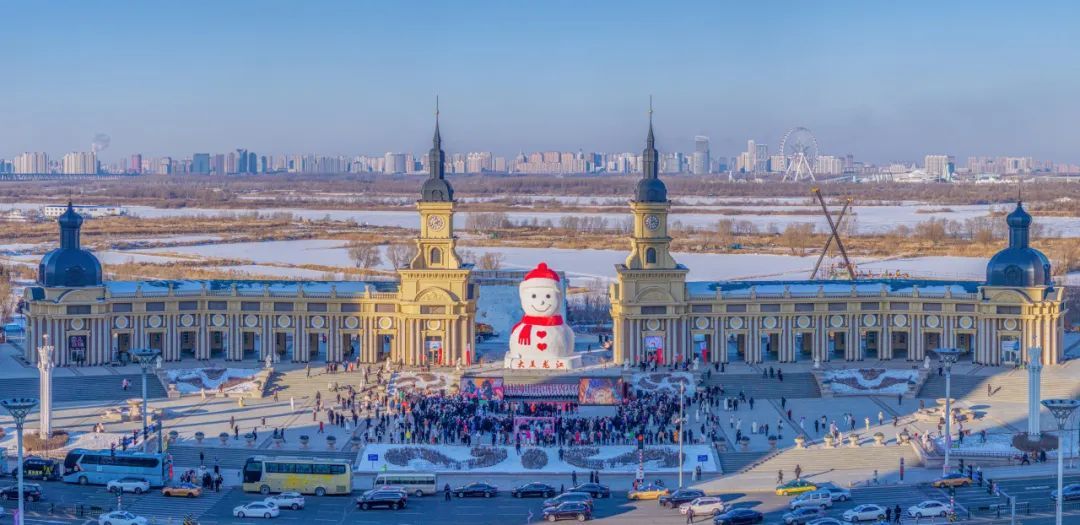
{"x":937,"y":166}
{"x":31,"y":163}
{"x":80,"y":163}
{"x":761,"y":158}
{"x":217,"y":164}
{"x":702,"y":162}
{"x":200,"y":163}
{"x":393,"y":163}
{"x":136,"y":164}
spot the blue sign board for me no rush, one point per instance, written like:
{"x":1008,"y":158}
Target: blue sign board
{"x":373,"y":457}
{"x":702,"y":458}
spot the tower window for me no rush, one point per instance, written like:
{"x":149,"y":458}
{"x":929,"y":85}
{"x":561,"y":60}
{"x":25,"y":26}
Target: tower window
{"x":650,"y":256}
{"x":436,"y":256}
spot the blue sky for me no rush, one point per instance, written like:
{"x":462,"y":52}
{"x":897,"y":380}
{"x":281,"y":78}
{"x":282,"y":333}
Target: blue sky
{"x":882,"y":80}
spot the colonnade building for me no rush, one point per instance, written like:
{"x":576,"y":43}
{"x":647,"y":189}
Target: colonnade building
{"x":660,"y":316}
{"x":425,"y":316}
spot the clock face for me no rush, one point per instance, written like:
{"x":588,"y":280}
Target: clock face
{"x":436,"y":223}
{"x":652,"y":222}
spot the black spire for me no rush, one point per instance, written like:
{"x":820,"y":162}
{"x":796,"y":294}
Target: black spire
{"x":650,"y":188}
{"x":435,"y":188}
{"x":70,"y":224}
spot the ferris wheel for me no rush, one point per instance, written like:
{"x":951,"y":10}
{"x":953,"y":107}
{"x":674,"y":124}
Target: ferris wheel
{"x":799,"y":149}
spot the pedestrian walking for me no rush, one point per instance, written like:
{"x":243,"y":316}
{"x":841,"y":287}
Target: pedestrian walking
{"x":690,"y":515}
{"x":897,"y":514}
{"x":573,"y":477}
{"x":899,"y":399}
{"x":798,"y":471}
{"x":292,"y":404}
{"x":880,"y":417}
{"x":888,"y":514}
{"x":779,"y":477}
{"x":446,"y":492}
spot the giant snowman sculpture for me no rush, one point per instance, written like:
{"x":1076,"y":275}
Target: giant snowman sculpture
{"x":541,"y":340}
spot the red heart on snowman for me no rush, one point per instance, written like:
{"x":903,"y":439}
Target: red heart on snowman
{"x":541,"y":346}
{"x":541,"y":334}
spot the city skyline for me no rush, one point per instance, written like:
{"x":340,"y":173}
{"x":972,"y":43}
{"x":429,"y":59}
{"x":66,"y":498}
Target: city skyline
{"x":880,"y":82}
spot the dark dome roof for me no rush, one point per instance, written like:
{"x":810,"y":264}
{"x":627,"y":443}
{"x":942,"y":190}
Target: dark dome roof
{"x":436,"y":190}
{"x":1021,"y":267}
{"x":651,"y":190}
{"x":1019,"y":218}
{"x":70,"y":218}
{"x":69,"y":267}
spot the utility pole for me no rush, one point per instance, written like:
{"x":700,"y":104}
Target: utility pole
{"x":682,"y":395}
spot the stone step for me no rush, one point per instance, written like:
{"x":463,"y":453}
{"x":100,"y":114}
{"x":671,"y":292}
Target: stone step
{"x":794,"y":385}
{"x":1009,"y":386}
{"x":86,"y":388}
{"x":866,"y":457}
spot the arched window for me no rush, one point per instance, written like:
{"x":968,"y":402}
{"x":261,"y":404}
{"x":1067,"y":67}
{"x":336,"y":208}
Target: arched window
{"x":436,"y":256}
{"x":650,"y":256}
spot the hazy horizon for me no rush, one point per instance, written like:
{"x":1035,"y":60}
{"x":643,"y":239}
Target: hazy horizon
{"x":881,"y":81}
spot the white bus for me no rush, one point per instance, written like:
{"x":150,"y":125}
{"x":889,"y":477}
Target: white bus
{"x":415,"y":483}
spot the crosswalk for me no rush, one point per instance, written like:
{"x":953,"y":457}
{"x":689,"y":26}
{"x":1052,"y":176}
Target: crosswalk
{"x":163,"y":508}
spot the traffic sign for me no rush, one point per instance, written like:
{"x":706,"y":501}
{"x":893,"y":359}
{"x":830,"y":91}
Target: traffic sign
{"x":702,"y":458}
{"x":373,"y":457}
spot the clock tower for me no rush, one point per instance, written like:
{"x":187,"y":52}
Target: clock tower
{"x":436,"y":243}
{"x":650,"y":245}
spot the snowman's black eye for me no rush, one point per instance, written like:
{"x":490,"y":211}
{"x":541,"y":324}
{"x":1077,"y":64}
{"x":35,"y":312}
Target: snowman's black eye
{"x":534,"y":296}
{"x":548,"y":296}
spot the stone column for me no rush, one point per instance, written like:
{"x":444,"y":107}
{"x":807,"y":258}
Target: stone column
{"x":1034,"y":373}
{"x":45,"y":367}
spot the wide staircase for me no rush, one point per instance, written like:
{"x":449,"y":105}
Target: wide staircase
{"x":234,"y":456}
{"x":298,"y":385}
{"x":819,"y":460}
{"x":1010,"y":385}
{"x":734,"y":462}
{"x":86,"y":388}
{"x":794,"y":385}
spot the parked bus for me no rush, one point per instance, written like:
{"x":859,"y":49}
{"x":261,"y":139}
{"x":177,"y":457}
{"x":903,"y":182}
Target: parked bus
{"x":99,"y":467}
{"x":415,"y":483}
{"x":318,"y":476}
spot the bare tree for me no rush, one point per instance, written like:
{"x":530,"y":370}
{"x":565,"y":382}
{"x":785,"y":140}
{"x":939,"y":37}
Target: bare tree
{"x":399,"y":255}
{"x":490,"y":261}
{"x":798,"y":237}
{"x":365,"y":256}
{"x":7,"y":300}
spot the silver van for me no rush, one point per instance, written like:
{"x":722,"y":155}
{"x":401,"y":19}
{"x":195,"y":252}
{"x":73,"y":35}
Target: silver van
{"x":817,"y":498}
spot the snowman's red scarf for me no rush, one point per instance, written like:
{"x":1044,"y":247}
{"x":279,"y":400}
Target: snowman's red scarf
{"x":525,"y":337}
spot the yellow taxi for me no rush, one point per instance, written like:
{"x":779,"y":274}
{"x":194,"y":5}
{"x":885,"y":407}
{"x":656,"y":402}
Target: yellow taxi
{"x":651,"y":491}
{"x":186,"y":490}
{"x":953,"y":479}
{"x":795,"y":486}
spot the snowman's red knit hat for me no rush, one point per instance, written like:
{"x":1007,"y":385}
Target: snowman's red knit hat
{"x":542,"y":272}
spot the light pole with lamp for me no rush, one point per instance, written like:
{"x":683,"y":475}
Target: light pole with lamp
{"x":682,"y":426}
{"x":146,"y":360}
{"x":1062,"y":410}
{"x":947,"y":356}
{"x":19,"y":408}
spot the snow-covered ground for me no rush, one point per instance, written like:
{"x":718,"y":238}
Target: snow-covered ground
{"x":512,"y":464}
{"x":658,"y":381}
{"x":194,"y":380}
{"x":869,"y":381}
{"x":90,"y":440}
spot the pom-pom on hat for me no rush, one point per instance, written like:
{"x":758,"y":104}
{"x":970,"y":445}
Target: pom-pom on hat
{"x":542,"y":272}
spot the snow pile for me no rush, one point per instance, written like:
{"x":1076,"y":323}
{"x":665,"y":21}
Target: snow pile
{"x":409,"y":381}
{"x":996,"y":444}
{"x":87,"y":440}
{"x":869,"y":381}
{"x":659,"y":381}
{"x":452,"y":458}
{"x":230,"y":380}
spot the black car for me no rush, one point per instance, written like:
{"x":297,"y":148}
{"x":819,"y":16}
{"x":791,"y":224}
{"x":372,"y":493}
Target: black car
{"x":479,"y":490}
{"x":390,"y":499}
{"x":31,"y":492}
{"x":679,"y":497}
{"x":739,"y":517}
{"x":571,"y":510}
{"x":534,"y":490}
{"x":39,"y":468}
{"x":1072,"y":492}
{"x":595,"y":490}
{"x":566,"y":497}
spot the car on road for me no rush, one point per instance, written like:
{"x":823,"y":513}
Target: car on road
{"x":836,"y":493}
{"x":819,"y":498}
{"x":739,"y":517}
{"x":578,"y":497}
{"x":534,"y":490}
{"x":679,"y":497}
{"x":803,"y":515}
{"x":595,"y":490}
{"x":704,"y":506}
{"x":929,"y":508}
{"x":825,"y":521}
{"x":571,"y":510}
{"x":120,"y":517}
{"x":186,"y":490}
{"x":953,"y":479}
{"x":286,"y":500}
{"x":651,"y":491}
{"x":1072,"y":492}
{"x":478,"y":490}
{"x":31,"y":492}
{"x":386,"y":498}
{"x":795,"y":486}
{"x":136,"y":485}
{"x":256,"y":509}
{"x":866,"y":512}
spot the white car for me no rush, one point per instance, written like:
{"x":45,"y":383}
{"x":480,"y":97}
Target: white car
{"x":287,"y":500}
{"x":704,"y":506}
{"x":257,"y":509}
{"x":868,"y":512}
{"x":120,"y":517}
{"x":929,"y":508}
{"x":136,"y":485}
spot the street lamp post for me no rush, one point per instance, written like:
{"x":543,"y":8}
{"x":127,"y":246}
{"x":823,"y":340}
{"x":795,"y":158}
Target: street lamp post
{"x":947,"y":356}
{"x":19,"y":408}
{"x":682,"y":425}
{"x":1062,"y":410}
{"x":146,"y":360}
